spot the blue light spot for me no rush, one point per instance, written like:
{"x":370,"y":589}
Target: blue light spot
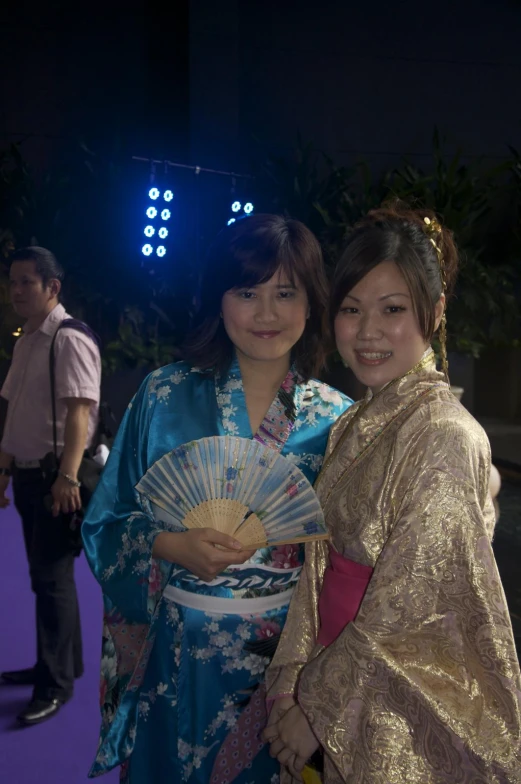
{"x":236,"y":206}
{"x":165,"y":215}
{"x":248,"y":208}
{"x":168,"y":195}
{"x":163,"y":232}
{"x":151,"y":212}
{"x":232,"y":220}
{"x":149,"y":231}
{"x":147,"y":250}
{"x":153,"y":193}
{"x":161,"y":250}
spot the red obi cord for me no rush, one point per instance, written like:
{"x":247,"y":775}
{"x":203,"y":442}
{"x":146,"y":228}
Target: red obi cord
{"x":343,"y":589}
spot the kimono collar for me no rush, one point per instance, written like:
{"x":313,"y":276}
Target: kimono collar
{"x":278,"y":422}
{"x":374,"y":414}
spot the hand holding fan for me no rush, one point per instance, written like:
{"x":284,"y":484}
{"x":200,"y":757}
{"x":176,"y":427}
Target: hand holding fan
{"x":239,"y":487}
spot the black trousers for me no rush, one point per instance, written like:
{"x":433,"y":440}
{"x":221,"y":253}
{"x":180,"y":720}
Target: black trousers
{"x":51,"y":566}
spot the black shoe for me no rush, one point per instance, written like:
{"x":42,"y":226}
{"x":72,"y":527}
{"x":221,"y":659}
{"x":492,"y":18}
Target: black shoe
{"x":39,"y":710}
{"x":19,"y":677}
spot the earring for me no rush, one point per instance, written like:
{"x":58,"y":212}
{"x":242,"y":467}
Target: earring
{"x":443,"y":348}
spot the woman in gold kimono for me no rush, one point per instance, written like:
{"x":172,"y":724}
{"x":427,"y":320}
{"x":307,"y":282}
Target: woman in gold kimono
{"x":397,"y":658}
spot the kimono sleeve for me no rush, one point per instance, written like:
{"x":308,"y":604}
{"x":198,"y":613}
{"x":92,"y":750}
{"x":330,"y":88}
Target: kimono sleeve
{"x":301,"y":629}
{"x":424,"y":685}
{"x":118,"y":535}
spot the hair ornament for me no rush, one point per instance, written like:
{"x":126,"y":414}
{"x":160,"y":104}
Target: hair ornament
{"x":433,"y":231}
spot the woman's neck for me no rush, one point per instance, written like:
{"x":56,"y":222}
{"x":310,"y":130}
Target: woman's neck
{"x":261,"y":381}
{"x":263,"y":377}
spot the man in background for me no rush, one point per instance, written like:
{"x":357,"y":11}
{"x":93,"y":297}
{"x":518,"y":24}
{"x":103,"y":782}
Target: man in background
{"x":45,"y":508}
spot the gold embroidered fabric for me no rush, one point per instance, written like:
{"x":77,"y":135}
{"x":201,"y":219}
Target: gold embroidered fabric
{"x":424,"y":686}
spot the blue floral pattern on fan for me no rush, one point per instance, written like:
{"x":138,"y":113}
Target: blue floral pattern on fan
{"x":235,"y":485}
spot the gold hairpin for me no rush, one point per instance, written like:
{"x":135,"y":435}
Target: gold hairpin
{"x":434,"y":233}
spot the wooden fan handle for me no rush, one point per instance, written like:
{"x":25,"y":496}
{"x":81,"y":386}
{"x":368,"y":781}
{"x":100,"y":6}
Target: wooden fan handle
{"x":300,"y":540}
{"x":250,"y":532}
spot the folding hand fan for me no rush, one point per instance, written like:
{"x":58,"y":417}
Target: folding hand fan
{"x":238,"y":487}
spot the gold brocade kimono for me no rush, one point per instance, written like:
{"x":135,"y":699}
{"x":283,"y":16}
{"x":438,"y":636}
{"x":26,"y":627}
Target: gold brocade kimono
{"x":423,"y":687}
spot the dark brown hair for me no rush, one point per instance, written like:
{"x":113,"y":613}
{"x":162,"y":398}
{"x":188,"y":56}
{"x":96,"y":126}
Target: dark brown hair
{"x":394,"y":232}
{"x":247,"y":253}
{"x":45,"y":263}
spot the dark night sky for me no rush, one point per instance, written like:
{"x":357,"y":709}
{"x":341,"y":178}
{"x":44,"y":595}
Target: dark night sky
{"x":95,"y":69}
{"x":199,"y":80}
{"x":365,"y":78}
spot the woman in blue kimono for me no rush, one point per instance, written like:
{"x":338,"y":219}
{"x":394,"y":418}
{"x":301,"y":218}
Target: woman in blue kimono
{"x":189,"y":627}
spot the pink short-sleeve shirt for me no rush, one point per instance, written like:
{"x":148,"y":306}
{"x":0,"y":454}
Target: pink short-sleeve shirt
{"x":28,"y":426}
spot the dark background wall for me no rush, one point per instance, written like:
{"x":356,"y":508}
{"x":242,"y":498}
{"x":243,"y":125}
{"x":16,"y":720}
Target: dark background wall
{"x":222,"y":84}
{"x":366,"y":79}
{"x":199,"y":80}
{"x":114,"y":73}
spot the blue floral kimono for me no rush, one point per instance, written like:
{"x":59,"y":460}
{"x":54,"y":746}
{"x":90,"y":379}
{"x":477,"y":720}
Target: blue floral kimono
{"x":183,"y":661}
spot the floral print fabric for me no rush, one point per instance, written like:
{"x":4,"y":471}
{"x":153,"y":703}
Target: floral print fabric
{"x":175,"y":679}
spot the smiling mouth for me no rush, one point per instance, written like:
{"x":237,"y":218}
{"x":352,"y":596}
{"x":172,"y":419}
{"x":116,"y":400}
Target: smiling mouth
{"x":373,"y":357}
{"x":267,"y":334}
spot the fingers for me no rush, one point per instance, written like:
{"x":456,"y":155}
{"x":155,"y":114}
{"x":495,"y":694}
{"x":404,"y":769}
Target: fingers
{"x":209,"y":552}
{"x":226,"y":559}
{"x":291,"y":761}
{"x":275,"y":716}
{"x":76,"y":502}
{"x":277,"y":746}
{"x":286,"y":757}
{"x":229,"y":542}
{"x":270,"y":733}
{"x":204,"y":575}
{"x":66,"y":503}
{"x":294,"y":770}
{"x":299,"y":763}
{"x":232,"y":552}
{"x":216,"y":537}
{"x":61,"y":504}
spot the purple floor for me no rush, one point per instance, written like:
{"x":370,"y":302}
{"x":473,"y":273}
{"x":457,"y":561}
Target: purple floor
{"x":59,"y":751}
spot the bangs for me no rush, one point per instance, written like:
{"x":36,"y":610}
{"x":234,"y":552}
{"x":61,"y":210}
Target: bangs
{"x":370,"y":246}
{"x":249,"y":253}
{"x":361,"y":255}
{"x":254,"y":266}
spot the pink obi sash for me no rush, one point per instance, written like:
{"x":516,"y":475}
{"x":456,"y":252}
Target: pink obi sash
{"x":343,"y":589}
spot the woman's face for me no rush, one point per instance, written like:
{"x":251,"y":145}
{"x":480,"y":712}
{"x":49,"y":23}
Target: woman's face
{"x":264,"y":322}
{"x":377,"y":332}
